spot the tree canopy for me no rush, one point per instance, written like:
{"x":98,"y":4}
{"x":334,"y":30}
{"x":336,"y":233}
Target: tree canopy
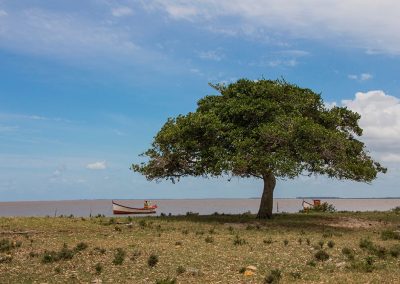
{"x":262,"y":128}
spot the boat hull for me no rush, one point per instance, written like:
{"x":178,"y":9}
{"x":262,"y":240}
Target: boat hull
{"x":119,"y":209}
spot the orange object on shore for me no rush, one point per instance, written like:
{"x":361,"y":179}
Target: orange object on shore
{"x":317,"y":202}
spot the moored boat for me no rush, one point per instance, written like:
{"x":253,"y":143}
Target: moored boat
{"x":122,"y":209}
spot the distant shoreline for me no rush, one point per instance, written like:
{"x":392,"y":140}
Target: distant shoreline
{"x":204,"y":198}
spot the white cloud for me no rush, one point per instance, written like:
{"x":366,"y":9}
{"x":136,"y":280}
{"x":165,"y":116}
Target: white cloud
{"x":3,"y":13}
{"x":59,"y":34}
{"x":121,"y":11}
{"x":365,"y":76}
{"x":380,"y":119}
{"x":368,"y":24}
{"x":97,"y":166}
{"x":330,"y":105}
{"x":361,"y":77}
{"x":7,"y":128}
{"x":211,"y":55}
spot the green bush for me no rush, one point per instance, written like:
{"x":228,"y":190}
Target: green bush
{"x":331,"y":244}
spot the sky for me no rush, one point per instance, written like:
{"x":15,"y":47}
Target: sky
{"x":85,"y":86}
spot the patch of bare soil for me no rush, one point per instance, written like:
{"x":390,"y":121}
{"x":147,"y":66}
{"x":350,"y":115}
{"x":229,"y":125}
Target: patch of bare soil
{"x":348,"y":222}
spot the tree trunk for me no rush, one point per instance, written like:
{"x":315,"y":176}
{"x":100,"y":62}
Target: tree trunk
{"x":266,"y":204}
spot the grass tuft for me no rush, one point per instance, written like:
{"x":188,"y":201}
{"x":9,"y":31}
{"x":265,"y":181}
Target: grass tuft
{"x":119,"y":256}
{"x":274,"y":276}
{"x":237,"y":241}
{"x":166,"y":281}
{"x":180,"y":270}
{"x":152,"y":260}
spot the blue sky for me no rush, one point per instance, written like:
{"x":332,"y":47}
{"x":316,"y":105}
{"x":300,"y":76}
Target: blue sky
{"x":85,"y":85}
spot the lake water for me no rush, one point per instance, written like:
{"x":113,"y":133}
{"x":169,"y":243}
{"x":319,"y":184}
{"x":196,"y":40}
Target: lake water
{"x":181,"y":206}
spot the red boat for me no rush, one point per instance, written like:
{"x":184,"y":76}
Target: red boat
{"x":122,"y":209}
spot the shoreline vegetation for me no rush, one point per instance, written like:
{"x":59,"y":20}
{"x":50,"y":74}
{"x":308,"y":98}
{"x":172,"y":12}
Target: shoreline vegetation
{"x":315,"y":247}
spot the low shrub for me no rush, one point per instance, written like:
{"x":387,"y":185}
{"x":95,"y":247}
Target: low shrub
{"x":65,"y":253}
{"x":49,"y":257}
{"x":119,"y":256}
{"x":349,"y":253}
{"x":321,"y":255}
{"x":367,"y":265}
{"x":366,"y":244}
{"x":396,"y":210}
{"x":285,"y":242}
{"x":6,"y":245}
{"x":331,"y":244}
{"x":390,"y":235}
{"x":81,"y":246}
{"x":321,"y":243}
{"x":395,"y":250}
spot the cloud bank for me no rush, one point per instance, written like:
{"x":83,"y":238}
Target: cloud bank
{"x":367,"y":24}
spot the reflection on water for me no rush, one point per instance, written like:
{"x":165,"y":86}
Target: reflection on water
{"x":181,"y":206}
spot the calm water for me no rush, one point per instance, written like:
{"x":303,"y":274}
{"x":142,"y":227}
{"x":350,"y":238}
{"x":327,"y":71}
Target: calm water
{"x":174,"y":206}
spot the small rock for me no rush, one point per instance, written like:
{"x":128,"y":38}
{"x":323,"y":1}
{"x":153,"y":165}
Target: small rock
{"x":251,"y":268}
{"x":340,"y":264}
{"x":248,"y":273}
{"x":97,"y":281}
{"x":194,"y":272}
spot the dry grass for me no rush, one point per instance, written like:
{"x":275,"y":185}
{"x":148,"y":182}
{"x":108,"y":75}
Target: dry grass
{"x":179,"y":243}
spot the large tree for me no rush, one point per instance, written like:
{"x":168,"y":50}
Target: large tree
{"x":263,"y":129}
